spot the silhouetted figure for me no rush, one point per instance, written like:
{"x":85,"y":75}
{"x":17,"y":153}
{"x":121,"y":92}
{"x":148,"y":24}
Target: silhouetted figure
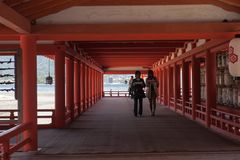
{"x":130,"y":87}
{"x":151,"y":92}
{"x":138,"y":93}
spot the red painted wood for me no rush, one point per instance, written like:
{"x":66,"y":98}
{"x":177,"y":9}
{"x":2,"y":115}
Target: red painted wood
{"x":60,"y":90}
{"x":195,"y":85}
{"x":77,"y":85}
{"x":29,"y":71}
{"x":70,"y":86}
{"x":210,"y":84}
{"x":185,"y":83}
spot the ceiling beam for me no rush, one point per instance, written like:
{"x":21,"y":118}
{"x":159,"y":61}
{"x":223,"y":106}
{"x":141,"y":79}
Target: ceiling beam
{"x":132,"y":50}
{"x":129,"y":45}
{"x":13,"y":20}
{"x":132,"y":32}
{"x":235,"y":3}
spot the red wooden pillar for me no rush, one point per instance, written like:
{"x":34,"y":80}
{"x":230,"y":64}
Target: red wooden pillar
{"x":158,"y":78}
{"x":169,"y":84}
{"x":29,"y":71}
{"x":165,"y":77}
{"x":97,"y":90}
{"x":101,"y":80}
{"x":90,"y":87}
{"x":175,"y":85}
{"x":80,"y":88}
{"x":195,"y":85}
{"x":160,"y":86}
{"x":95,"y":86}
{"x":210,"y":84}
{"x":83,"y":87}
{"x":70,"y":86}
{"x":87,"y":86}
{"x":60,"y":90}
{"x":185,"y":83}
{"x":77,"y":86}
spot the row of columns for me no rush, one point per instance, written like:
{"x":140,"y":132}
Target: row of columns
{"x":81,"y":90}
{"x":77,"y":86}
{"x":178,"y":79}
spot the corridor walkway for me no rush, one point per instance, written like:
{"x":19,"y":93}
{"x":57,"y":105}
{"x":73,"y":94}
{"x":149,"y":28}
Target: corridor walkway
{"x":109,"y":128}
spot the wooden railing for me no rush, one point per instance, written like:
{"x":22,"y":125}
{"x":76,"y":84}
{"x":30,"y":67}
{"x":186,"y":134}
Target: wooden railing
{"x":9,"y":117}
{"x":225,"y":122}
{"x":172,"y":101}
{"x":201,"y":113}
{"x":67,"y":116}
{"x":116,"y":93}
{"x":188,"y":109}
{"x":46,"y":114}
{"x":179,"y":105}
{"x":7,"y":147}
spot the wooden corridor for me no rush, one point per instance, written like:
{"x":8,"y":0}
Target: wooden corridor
{"x":110,"y":129}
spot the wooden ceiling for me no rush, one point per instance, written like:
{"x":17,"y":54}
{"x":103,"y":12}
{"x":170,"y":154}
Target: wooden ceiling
{"x":34,"y":9}
{"x":130,"y":53}
{"x":119,"y":45}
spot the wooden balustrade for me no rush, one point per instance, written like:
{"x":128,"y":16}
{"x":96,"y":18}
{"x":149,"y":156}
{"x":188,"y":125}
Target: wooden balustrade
{"x":116,"y":93}
{"x":226,"y":123}
{"x":6,"y":147}
{"x":9,"y":117}
{"x":188,"y":109}
{"x":179,"y":105}
{"x":201,"y":113}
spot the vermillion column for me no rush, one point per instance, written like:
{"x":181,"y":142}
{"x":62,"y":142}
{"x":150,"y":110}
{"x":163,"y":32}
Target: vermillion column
{"x":165,"y":86}
{"x":60,"y":90}
{"x":83,"y":88}
{"x":91,"y":85}
{"x":210,"y":84}
{"x":160,"y":85}
{"x":70,"y":86}
{"x":185,"y":83}
{"x":94,"y":86}
{"x":102,"y":91}
{"x":77,"y":86}
{"x":87,"y":85}
{"x":80,"y":88}
{"x":29,"y":69}
{"x":195,"y":85}
{"x":175,"y":85}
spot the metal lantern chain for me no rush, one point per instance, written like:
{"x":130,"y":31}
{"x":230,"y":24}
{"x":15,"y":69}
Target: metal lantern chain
{"x":49,"y":79}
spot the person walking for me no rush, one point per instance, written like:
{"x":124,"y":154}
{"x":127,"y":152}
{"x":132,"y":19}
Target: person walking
{"x":151,"y":91}
{"x":138,"y":93}
{"x":129,"y":87}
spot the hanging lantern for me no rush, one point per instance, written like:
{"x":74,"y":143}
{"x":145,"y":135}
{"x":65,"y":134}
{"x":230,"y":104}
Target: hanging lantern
{"x":49,"y":79}
{"x":234,"y":59}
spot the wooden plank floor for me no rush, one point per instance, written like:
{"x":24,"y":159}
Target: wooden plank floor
{"x":109,"y":128}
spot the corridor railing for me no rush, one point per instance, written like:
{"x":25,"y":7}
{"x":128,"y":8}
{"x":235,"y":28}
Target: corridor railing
{"x":9,"y":117}
{"x":11,"y":142}
{"x":225,"y":122}
{"x":116,"y":93}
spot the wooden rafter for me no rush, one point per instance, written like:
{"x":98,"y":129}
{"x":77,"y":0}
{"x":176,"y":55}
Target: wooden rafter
{"x":13,"y":20}
{"x":37,"y":9}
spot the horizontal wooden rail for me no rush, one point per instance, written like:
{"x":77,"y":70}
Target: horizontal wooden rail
{"x":7,"y":148}
{"x":116,"y":93}
{"x":179,"y":105}
{"x":10,"y":117}
{"x":201,"y":113}
{"x":225,"y":122}
{"x":188,"y":109}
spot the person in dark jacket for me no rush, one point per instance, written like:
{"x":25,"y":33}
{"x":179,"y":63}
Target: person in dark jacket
{"x":151,"y":92}
{"x":138,"y":93}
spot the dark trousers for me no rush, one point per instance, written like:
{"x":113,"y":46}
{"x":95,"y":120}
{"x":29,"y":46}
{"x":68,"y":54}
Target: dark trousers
{"x":136,"y":100}
{"x":152,"y":102}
